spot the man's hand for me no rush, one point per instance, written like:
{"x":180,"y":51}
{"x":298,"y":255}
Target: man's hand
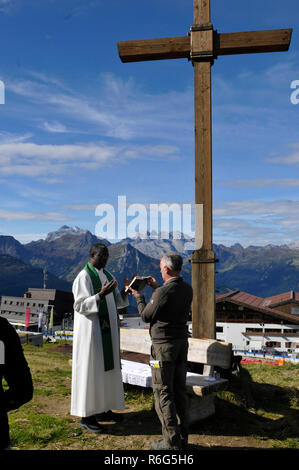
{"x":135,"y":293}
{"x":152,"y":282}
{"x":126,"y":283}
{"x":108,"y":287}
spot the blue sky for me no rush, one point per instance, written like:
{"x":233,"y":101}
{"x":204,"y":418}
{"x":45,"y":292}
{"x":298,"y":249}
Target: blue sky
{"x":80,"y":128}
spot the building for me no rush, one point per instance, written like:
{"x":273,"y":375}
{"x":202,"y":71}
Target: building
{"x":259,"y":324}
{"x":38,"y":301}
{"x":287,"y":302}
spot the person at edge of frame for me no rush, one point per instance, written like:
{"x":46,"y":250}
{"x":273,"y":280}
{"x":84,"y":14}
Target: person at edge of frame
{"x":15,"y":370}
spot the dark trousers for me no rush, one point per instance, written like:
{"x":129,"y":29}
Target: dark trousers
{"x":4,"y":431}
{"x":169,"y":387}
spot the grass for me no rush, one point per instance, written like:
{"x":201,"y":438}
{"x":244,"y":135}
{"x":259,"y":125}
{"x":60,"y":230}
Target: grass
{"x":262,"y":403}
{"x":259,"y":409}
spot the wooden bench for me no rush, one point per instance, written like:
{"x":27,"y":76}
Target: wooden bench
{"x":31,"y":338}
{"x":201,"y":388}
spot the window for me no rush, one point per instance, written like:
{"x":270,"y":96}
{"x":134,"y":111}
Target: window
{"x":273,"y":344}
{"x":220,"y":315}
{"x":233,"y":316}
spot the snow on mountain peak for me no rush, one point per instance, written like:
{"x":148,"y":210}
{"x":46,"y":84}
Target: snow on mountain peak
{"x":64,"y":230}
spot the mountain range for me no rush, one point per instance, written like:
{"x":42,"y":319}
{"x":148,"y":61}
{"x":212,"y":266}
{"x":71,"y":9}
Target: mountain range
{"x":262,"y":271}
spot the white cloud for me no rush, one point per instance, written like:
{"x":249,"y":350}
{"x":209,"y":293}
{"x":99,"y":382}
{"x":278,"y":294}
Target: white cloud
{"x":282,"y":72}
{"x":54,"y":127}
{"x":290,"y":159}
{"x":256,"y":222}
{"x":45,"y":179}
{"x":7,"y":6}
{"x":246,"y":208}
{"x":9,"y":138}
{"x":119,"y":109}
{"x":253,"y":109}
{"x":81,"y":207}
{"x":260,"y":183}
{"x":54,"y":94}
{"x":30,"y":159}
{"x":45,"y":161}
{"x":34,"y":216}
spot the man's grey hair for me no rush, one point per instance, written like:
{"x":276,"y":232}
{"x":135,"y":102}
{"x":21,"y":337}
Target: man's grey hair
{"x":173,"y":261}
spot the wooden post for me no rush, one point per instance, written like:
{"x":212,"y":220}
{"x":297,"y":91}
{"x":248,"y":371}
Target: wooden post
{"x":201,"y":11}
{"x":203,"y":260}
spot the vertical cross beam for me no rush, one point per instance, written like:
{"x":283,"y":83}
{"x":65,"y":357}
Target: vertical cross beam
{"x":202,"y":46}
{"x":202,"y":11}
{"x":203,"y":260}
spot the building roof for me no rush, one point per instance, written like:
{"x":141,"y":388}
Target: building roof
{"x":256,"y":303}
{"x":279,"y":299}
{"x":19,"y":319}
{"x":51,"y":294}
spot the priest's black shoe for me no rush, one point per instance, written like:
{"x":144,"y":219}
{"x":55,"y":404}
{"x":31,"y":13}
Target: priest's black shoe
{"x":109,"y":416}
{"x":90,"y":423}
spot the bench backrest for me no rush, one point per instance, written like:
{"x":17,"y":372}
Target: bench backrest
{"x":203,"y":351}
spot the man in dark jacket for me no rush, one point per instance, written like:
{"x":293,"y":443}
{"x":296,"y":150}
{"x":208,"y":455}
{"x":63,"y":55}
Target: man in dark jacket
{"x":14,"y":369}
{"x":167,"y":312}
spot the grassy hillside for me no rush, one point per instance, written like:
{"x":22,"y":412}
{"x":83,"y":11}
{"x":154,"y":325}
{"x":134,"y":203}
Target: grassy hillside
{"x":262,"y":271}
{"x":258,"y":410}
{"x":16,"y":277}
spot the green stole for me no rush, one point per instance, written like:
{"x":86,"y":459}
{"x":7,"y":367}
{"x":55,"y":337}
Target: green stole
{"x":103,"y":315}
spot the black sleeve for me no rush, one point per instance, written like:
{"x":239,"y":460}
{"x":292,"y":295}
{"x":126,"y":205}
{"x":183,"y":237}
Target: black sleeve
{"x":16,"y":373}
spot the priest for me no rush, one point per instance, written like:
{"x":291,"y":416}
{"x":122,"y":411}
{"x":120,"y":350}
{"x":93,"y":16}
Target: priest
{"x":97,"y":386}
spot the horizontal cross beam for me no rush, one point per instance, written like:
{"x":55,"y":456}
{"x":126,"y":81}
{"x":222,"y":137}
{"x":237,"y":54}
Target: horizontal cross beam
{"x":276,"y":40}
{"x":154,"y":49}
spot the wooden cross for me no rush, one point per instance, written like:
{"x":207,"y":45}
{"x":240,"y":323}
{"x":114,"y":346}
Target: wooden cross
{"x":202,"y":46}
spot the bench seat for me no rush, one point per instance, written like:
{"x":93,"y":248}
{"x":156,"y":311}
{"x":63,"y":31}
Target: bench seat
{"x":136,"y":373}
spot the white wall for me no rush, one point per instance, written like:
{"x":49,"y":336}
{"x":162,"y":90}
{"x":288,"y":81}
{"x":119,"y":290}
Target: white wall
{"x":232,"y":333}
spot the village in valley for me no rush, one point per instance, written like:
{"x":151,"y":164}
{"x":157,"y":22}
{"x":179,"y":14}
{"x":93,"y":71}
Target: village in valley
{"x":256,"y":327}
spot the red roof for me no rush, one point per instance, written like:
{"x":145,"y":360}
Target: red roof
{"x":256,"y":303}
{"x":282,"y":298}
